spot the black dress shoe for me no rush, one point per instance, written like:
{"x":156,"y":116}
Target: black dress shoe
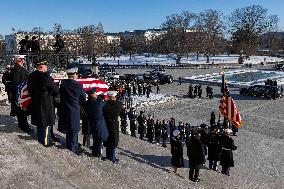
{"x":28,"y":130}
{"x":196,"y":180}
{"x":116,"y":161}
{"x":49,"y":145}
{"x":54,"y":138}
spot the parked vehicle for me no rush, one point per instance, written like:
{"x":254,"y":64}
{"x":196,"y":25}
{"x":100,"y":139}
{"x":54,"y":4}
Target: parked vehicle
{"x":279,"y":66}
{"x":262,"y":90}
{"x":165,"y":78}
{"x":152,"y":79}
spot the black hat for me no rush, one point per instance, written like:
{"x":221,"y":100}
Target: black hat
{"x":91,"y":91}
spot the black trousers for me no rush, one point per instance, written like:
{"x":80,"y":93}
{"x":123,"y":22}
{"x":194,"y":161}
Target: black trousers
{"x":212,"y":164}
{"x":225,"y":170}
{"x":23,"y":121}
{"x":193,"y":174}
{"x":72,"y":140}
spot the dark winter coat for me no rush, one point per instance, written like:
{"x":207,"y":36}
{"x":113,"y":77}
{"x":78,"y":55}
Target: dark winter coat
{"x":94,"y":111}
{"x":18,"y":75}
{"x":195,"y":151}
{"x":42,"y":89}
{"x":141,"y":124}
{"x":214,"y":148}
{"x":177,"y":152}
{"x":71,"y":97}
{"x":227,"y":147}
{"x":111,"y":112}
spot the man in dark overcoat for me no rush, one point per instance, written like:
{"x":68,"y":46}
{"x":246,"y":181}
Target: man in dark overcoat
{"x":42,"y":90}
{"x":93,"y":108}
{"x":213,"y":149}
{"x":196,"y":156}
{"x":111,"y":112}
{"x":227,"y":147}
{"x":18,"y":75}
{"x":71,"y":97}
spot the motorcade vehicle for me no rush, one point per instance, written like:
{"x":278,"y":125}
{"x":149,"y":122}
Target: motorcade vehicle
{"x":263,"y":90}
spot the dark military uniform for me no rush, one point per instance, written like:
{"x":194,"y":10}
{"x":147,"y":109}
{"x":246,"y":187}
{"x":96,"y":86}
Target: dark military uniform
{"x":94,"y":110}
{"x":141,"y":125}
{"x":226,"y":158}
{"x":164,"y":133}
{"x":111,"y":112}
{"x":133,"y":125}
{"x":190,"y":91}
{"x":157,"y":131}
{"x":123,"y":118}
{"x":42,"y":89}
{"x":71,"y":97}
{"x":150,"y":129}
{"x":18,"y":75}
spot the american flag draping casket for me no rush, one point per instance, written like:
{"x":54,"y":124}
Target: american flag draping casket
{"x":23,"y":99}
{"x":89,"y":83}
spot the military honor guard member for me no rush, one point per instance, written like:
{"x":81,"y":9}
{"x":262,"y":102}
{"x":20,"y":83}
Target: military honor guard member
{"x":42,"y":90}
{"x":111,"y":112}
{"x":72,"y":97}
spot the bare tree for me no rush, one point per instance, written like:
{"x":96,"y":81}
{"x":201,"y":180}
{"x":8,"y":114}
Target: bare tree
{"x":176,"y":39}
{"x":247,"y":25}
{"x":132,"y":43}
{"x":209,"y":33}
{"x":94,"y":42}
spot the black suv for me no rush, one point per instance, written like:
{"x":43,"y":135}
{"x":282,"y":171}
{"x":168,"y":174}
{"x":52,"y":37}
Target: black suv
{"x":262,"y":90}
{"x":279,"y":66}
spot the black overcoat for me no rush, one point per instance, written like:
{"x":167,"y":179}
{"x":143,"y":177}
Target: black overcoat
{"x":177,"y":152}
{"x":111,"y":112}
{"x":18,"y":75}
{"x":94,"y":111}
{"x":227,"y":147}
{"x":42,"y":89}
{"x":71,"y":97}
{"x":195,"y":151}
{"x":214,"y":147}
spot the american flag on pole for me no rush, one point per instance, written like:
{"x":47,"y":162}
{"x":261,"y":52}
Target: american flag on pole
{"x":228,"y":107}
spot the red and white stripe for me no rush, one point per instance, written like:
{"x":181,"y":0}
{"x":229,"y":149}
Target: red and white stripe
{"x":89,"y":83}
{"x":229,"y":109}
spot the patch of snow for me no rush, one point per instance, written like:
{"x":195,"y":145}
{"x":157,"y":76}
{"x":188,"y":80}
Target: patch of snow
{"x":154,"y":99}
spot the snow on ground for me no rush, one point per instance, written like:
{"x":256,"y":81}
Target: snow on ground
{"x":192,"y":59}
{"x":154,"y":99}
